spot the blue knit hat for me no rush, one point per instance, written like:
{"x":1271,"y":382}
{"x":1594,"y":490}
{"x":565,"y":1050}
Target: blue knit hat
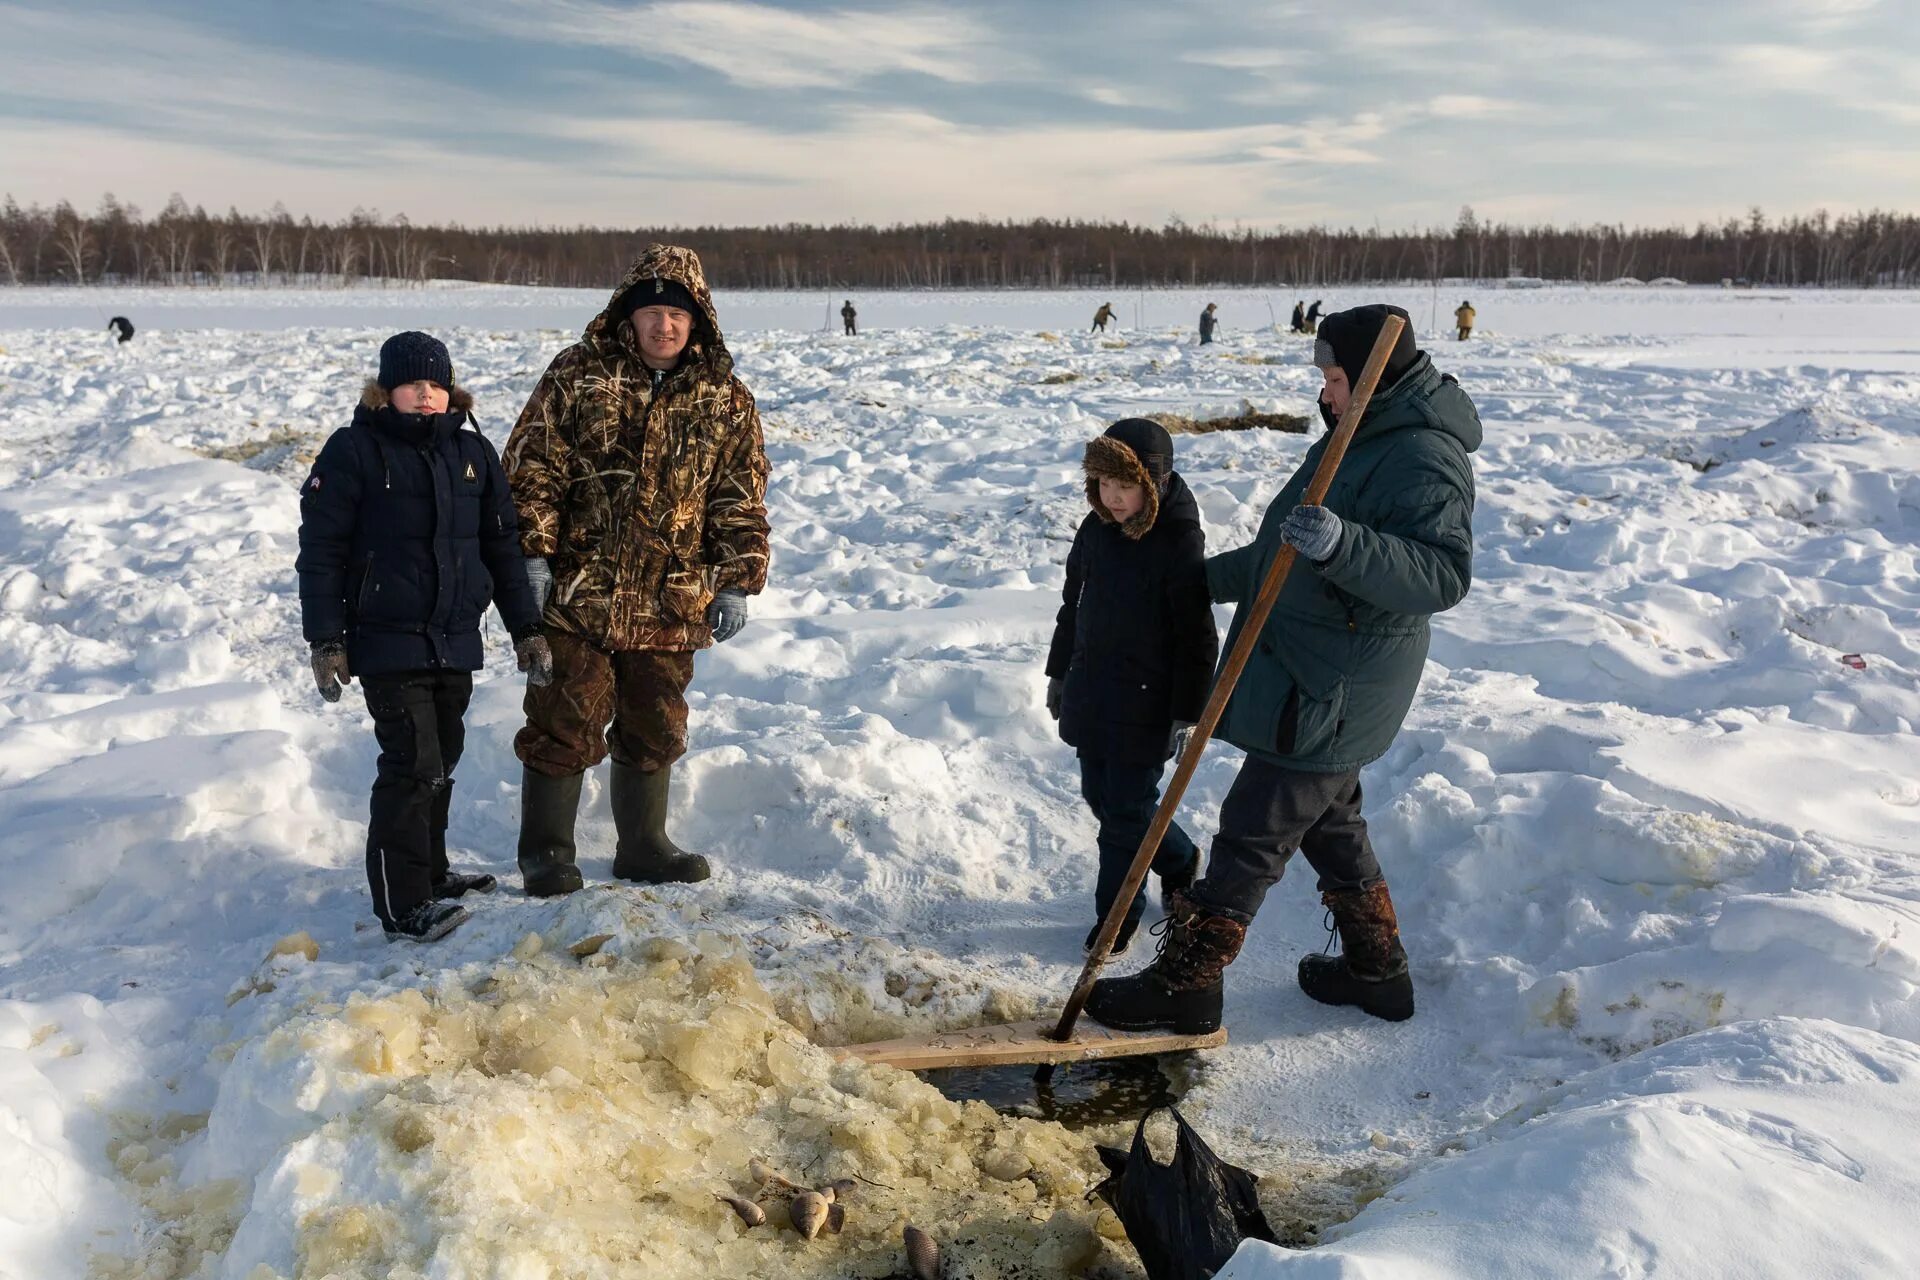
{"x":413,"y":356}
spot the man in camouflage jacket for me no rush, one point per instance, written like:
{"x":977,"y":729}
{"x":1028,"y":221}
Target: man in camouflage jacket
{"x":640,"y":479}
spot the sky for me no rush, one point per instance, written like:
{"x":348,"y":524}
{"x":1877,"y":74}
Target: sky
{"x":1256,"y":113}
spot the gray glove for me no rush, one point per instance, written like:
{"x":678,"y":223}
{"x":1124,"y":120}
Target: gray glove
{"x":535,"y":657}
{"x":1177,"y":740}
{"x":329,"y":661}
{"x":1056,"y":695}
{"x":540,"y":578}
{"x":727,"y":614}
{"x":1314,"y":531}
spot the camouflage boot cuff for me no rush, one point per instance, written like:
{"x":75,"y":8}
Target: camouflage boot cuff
{"x":1369,"y":931}
{"x":1199,"y":944}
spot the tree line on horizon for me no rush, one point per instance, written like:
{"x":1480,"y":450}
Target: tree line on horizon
{"x":187,"y":246}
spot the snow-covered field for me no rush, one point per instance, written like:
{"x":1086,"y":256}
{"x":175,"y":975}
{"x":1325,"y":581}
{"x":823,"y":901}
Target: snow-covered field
{"x":1655,"y":844}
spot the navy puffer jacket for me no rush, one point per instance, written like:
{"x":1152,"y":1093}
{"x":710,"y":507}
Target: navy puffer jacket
{"x":407,"y":533}
{"x":1134,"y":640}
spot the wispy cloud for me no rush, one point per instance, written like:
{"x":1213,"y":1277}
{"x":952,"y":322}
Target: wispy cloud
{"x":757,"y":45}
{"x":1793,"y":66}
{"x":928,"y":167}
{"x":1470,"y":106}
{"x":1821,"y":16}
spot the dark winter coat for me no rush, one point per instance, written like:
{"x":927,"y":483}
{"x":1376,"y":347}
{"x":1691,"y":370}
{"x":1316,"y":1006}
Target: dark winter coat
{"x":645,"y":493}
{"x":1340,"y":657}
{"x":407,"y":533}
{"x":1134,"y":640}
{"x":1207,"y":322}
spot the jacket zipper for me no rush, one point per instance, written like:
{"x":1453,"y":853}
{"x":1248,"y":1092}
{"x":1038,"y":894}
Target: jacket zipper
{"x":366,"y":580}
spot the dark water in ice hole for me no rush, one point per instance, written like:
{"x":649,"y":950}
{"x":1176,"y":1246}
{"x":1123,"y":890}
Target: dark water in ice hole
{"x":1078,"y":1094}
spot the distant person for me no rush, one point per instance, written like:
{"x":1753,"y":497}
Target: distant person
{"x":1100,"y":317}
{"x":1133,"y":652}
{"x":1463,"y":318}
{"x":1299,"y":322}
{"x":1329,"y":683}
{"x":847,"y":317}
{"x":641,"y":480}
{"x":1207,"y":323}
{"x":122,"y":327}
{"x":407,"y":533}
{"x":1313,"y":316}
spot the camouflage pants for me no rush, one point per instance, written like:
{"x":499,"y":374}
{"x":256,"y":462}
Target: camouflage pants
{"x":641,"y":694}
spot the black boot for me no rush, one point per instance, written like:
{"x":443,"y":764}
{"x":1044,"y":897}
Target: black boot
{"x":458,"y":884}
{"x":1183,"y":989}
{"x":1371,"y":971}
{"x":643,"y":852}
{"x":448,"y":883}
{"x":428,"y":922}
{"x":1121,"y":940}
{"x":547,"y":809}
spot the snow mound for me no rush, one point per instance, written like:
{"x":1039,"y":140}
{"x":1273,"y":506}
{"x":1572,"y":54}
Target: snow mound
{"x":1737,"y":1151}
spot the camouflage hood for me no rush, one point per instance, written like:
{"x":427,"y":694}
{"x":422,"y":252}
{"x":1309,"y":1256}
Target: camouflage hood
{"x":646,"y":494}
{"x":612,"y":331}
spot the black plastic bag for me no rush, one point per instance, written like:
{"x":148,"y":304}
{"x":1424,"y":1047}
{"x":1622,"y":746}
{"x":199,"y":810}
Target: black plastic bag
{"x":1185,"y":1218}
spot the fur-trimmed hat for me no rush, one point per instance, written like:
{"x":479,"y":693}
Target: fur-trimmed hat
{"x":1138,"y":451}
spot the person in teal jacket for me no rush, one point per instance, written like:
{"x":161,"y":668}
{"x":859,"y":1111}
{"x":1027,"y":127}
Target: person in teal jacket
{"x":1327,"y":687}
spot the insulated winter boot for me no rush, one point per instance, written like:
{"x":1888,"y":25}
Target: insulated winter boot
{"x":547,"y":809}
{"x":643,"y":852}
{"x":1371,"y":972}
{"x":428,"y":922}
{"x":458,"y":884}
{"x":1182,"y":990}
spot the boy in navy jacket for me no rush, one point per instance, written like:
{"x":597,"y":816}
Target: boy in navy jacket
{"x":1133,"y":651}
{"x":407,"y":533}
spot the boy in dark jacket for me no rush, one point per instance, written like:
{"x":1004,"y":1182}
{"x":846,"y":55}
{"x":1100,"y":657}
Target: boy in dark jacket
{"x":1133,"y":651}
{"x":407,"y":531}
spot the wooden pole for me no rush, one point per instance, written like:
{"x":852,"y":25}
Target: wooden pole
{"x":1256,"y":621}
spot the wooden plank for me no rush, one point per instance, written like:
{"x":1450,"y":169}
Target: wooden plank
{"x":1022,"y":1042}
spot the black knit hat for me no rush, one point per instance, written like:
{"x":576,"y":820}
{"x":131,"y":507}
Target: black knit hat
{"x":1346,"y":339}
{"x":657,"y":292}
{"x":1150,"y":444}
{"x":413,"y":356}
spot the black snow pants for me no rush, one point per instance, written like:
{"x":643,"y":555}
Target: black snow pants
{"x":417,"y":718}
{"x":1269,"y":812}
{"x":1123,"y":796}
